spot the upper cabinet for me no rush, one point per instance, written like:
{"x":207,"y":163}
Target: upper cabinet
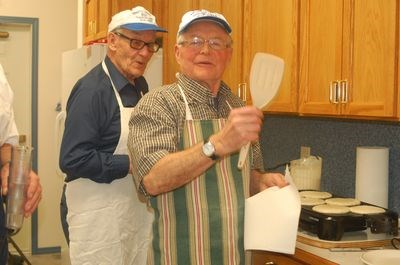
{"x":272,"y":27}
{"x":153,"y":6}
{"x":348,"y":53}
{"x":98,"y":14}
{"x":341,"y":56}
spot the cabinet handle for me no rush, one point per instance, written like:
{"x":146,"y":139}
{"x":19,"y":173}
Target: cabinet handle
{"x":242,"y":91}
{"x":344,"y":91}
{"x":334,"y":92}
{"x":270,"y":263}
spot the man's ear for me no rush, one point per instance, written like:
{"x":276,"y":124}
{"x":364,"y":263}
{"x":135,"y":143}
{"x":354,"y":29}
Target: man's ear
{"x":177,"y":53}
{"x":111,"y":40}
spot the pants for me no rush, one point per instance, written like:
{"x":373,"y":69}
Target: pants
{"x":63,"y":214}
{"x":3,"y":235}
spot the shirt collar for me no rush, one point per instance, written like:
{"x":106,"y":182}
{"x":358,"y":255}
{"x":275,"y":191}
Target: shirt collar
{"x":118,"y":79}
{"x":194,"y":91}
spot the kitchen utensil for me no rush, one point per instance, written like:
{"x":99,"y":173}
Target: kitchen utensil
{"x":265,"y":77}
{"x":17,"y":184}
{"x":381,"y":257}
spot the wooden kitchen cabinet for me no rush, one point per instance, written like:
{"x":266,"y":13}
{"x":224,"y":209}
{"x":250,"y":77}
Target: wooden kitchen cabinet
{"x":271,"y":26}
{"x":257,"y":26}
{"x":98,"y":14}
{"x":153,"y":6}
{"x":300,"y":257}
{"x":353,"y":44}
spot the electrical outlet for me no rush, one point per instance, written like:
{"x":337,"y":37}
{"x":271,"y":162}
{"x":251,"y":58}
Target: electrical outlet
{"x":305,"y":151}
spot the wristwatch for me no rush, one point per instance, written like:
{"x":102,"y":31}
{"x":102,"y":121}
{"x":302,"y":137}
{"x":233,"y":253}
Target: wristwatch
{"x":209,"y":149}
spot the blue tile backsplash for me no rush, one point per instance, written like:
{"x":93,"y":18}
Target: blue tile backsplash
{"x":334,"y":140}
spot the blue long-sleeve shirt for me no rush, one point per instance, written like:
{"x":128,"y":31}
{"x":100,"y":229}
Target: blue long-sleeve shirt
{"x":93,"y":126}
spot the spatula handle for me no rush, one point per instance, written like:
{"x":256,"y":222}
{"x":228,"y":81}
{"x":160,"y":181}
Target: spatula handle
{"x":243,"y":155}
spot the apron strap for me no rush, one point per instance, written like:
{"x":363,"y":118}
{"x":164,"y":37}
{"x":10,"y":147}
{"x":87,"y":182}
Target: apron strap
{"x":188,"y":112}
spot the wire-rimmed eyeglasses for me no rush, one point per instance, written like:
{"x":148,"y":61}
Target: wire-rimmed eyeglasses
{"x":139,"y":44}
{"x":198,"y":43}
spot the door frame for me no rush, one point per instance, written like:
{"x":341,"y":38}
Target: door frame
{"x":34,"y":23}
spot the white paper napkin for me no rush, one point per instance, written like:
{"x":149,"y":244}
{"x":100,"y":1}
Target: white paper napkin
{"x":272,"y":218}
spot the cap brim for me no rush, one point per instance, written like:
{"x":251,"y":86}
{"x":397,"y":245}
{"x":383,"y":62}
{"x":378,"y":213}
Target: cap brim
{"x":142,"y":27}
{"x":219,"y":21}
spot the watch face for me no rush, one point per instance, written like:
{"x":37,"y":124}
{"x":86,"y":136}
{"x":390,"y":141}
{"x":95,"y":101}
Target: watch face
{"x":208,"y":149}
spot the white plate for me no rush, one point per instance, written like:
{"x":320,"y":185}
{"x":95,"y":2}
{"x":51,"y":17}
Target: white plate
{"x":381,"y":257}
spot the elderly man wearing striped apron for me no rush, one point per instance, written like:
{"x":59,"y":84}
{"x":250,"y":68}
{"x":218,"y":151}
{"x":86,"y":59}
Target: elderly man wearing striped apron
{"x":184,"y":141}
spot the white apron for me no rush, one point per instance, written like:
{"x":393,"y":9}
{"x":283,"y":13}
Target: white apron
{"x":108,"y":224}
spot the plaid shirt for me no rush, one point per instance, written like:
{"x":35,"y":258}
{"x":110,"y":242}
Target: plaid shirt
{"x":157,"y":121}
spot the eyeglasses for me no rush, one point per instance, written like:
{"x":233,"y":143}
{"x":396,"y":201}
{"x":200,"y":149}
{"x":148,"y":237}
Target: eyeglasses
{"x":139,"y":44}
{"x":198,"y":43}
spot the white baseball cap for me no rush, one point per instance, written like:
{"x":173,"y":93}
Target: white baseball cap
{"x":137,"y":19}
{"x":196,"y":15}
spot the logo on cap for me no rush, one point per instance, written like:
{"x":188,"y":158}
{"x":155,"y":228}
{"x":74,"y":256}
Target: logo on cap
{"x":196,"y":15}
{"x":137,"y":19}
{"x":144,"y":16}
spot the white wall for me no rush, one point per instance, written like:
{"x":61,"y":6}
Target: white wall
{"x":58,"y":24}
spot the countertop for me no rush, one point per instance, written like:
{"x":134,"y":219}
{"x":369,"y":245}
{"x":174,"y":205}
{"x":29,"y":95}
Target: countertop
{"x":348,"y":257}
{"x":344,"y":256}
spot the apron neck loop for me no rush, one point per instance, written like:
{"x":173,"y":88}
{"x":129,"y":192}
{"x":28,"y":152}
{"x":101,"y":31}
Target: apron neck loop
{"x":188,"y":112}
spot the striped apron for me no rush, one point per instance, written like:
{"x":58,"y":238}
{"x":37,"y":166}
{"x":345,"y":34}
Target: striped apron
{"x":201,"y":223}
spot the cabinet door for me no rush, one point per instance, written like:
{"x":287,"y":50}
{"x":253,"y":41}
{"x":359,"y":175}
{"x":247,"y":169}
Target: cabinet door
{"x":272,"y":27}
{"x":321,"y":23}
{"x":90,"y":16}
{"x":352,"y":41}
{"x":97,"y":16}
{"x":264,"y":257}
{"x":129,"y":4}
{"x":233,"y":12}
{"x":369,"y":60}
{"x":150,"y":5}
{"x":173,"y":12}
{"x":103,"y":18}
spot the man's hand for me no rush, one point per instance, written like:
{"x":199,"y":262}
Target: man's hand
{"x":33,"y":194}
{"x":268,"y":180}
{"x":243,"y":126}
{"x":5,"y":170}
{"x":34,"y":191}
{"x":261,"y":181}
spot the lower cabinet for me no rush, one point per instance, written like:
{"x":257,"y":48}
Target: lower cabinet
{"x":300,"y":257}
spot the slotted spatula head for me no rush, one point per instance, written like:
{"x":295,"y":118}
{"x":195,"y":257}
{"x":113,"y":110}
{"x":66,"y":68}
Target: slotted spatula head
{"x":265,"y":78}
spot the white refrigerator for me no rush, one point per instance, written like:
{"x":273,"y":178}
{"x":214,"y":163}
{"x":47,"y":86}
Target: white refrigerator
{"x":75,"y":64}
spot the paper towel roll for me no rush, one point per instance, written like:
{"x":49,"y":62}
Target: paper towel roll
{"x":372,"y":175}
